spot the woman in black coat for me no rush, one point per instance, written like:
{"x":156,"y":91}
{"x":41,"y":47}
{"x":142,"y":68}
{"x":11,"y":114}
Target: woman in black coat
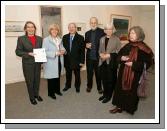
{"x":31,"y":69}
{"x":132,"y":58}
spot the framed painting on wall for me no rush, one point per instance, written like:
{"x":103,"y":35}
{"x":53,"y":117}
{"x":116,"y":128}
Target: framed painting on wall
{"x":14,"y":28}
{"x":122,"y":24}
{"x":81,"y":27}
{"x":50,"y":15}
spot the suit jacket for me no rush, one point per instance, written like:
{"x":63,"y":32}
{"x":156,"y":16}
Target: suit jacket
{"x":112,"y":48}
{"x":51,"y":67}
{"x":24,"y":46}
{"x":77,"y":55}
{"x":98,"y":35}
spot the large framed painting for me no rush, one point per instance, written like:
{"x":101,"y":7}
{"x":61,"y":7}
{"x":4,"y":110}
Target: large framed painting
{"x":50,"y":15}
{"x":122,"y":24}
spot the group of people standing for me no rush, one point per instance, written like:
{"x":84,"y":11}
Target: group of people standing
{"x":104,"y":57}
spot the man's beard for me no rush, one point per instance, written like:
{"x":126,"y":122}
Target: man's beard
{"x":94,"y":28}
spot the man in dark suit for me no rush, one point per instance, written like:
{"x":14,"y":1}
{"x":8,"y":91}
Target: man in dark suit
{"x":92,"y":38}
{"x":74,"y":57}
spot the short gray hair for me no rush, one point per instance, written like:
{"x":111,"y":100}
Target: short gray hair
{"x":139,"y":32}
{"x":72,"y":23}
{"x":110,"y":26}
{"x":94,"y":18}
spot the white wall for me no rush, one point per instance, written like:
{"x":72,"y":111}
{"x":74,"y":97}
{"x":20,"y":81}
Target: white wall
{"x":147,"y":21}
{"x":80,"y":14}
{"x":13,"y":67}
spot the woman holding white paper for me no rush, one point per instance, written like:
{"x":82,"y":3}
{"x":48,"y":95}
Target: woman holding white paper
{"x":31,"y":69}
{"x":54,"y":66}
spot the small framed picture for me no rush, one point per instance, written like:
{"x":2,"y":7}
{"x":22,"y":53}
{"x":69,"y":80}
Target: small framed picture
{"x":81,"y":27}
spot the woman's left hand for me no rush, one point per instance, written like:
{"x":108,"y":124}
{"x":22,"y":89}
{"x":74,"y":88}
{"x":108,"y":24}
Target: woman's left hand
{"x":129,"y":63}
{"x":107,"y":56}
{"x":62,"y":52}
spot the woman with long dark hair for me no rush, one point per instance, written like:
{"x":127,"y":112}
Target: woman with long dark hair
{"x":133,"y":57}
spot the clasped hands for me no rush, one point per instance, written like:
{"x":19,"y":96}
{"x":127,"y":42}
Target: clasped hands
{"x":126,"y":58}
{"x":104,"y":56}
{"x":60,"y":53}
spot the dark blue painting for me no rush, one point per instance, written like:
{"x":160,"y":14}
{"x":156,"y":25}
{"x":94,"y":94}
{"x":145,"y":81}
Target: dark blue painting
{"x":122,"y":25}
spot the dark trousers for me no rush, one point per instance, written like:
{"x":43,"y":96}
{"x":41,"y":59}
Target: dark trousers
{"x":69,"y":77}
{"x":54,"y":83}
{"x":92,"y":67}
{"x":53,"y":86}
{"x":109,"y":77}
{"x":32,"y":74}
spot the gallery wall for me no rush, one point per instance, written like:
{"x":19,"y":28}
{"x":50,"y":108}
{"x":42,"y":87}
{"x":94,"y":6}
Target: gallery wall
{"x":141,"y":15}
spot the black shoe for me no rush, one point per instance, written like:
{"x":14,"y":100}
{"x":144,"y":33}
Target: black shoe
{"x":101,"y":98}
{"x":39,"y":98}
{"x":77,"y":90}
{"x":60,"y":94}
{"x":66,"y":88}
{"x":33,"y":101}
{"x":52,"y":96}
{"x":100,"y":91}
{"x":105,"y":100}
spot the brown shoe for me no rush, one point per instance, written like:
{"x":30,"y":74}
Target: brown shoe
{"x":116,"y":110}
{"x":88,"y":90}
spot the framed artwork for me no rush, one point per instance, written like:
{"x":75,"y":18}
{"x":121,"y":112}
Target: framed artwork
{"x":50,"y":15}
{"x":81,"y":27}
{"x":122,"y":24}
{"x":14,"y":28}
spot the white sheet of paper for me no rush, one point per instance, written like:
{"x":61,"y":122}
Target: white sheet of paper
{"x":40,"y":55}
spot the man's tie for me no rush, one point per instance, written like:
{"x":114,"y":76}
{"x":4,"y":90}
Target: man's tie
{"x":71,"y":38}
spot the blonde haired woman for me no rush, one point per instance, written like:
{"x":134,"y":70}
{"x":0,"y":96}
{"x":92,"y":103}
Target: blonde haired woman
{"x":54,"y":65}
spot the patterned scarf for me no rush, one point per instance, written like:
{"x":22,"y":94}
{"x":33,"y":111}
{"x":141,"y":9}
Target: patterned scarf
{"x":128,"y":73}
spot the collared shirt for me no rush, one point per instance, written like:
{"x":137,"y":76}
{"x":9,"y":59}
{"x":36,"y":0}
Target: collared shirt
{"x":33,"y":40}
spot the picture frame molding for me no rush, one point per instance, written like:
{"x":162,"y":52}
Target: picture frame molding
{"x":14,"y":28}
{"x":125,"y":17}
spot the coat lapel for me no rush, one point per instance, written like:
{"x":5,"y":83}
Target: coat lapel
{"x":110,"y":46}
{"x":51,"y":42}
{"x":37,"y":42}
{"x":28,"y":42}
{"x":68,"y":42}
{"x":103,"y":46}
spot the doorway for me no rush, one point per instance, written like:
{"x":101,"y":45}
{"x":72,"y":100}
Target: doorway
{"x":50,"y":15}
